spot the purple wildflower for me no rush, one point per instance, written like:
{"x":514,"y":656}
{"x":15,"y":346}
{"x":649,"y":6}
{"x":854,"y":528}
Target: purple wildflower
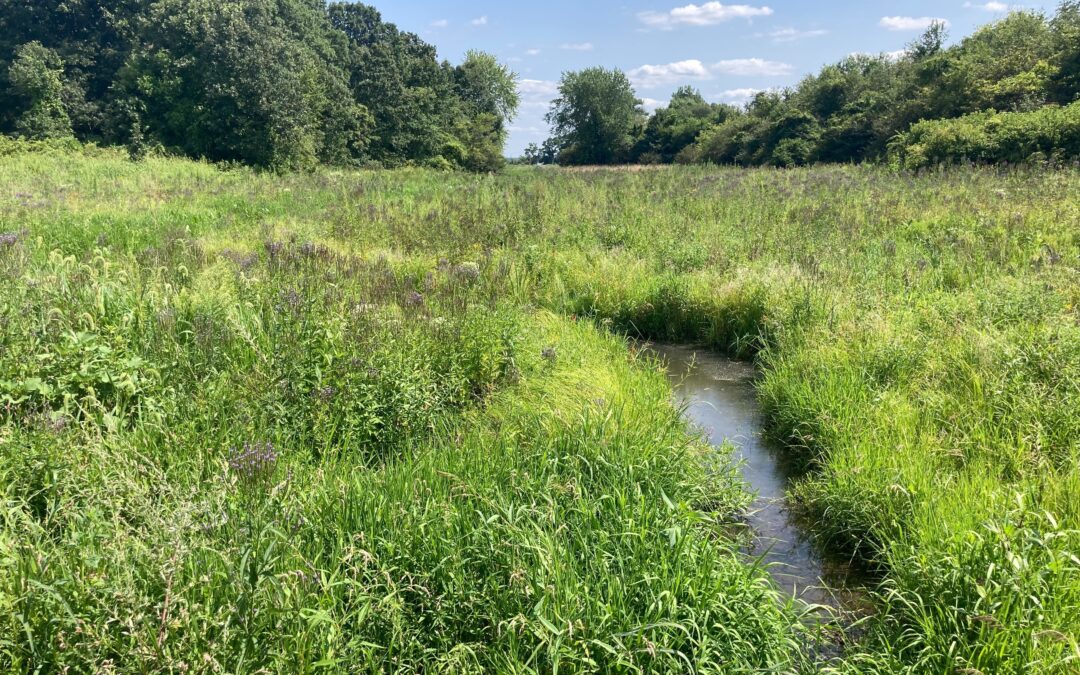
{"x":274,"y":249}
{"x":255,"y":463}
{"x":467,"y":271}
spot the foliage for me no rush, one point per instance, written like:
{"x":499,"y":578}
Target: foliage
{"x":671,"y":129}
{"x":596,"y":117}
{"x":281,"y":84}
{"x":1048,"y":134}
{"x":850,"y":111}
{"x":242,"y":430}
{"x":34,"y":76}
{"x":242,"y":81}
{"x":288,"y":420}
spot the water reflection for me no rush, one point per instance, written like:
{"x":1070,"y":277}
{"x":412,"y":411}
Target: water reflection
{"x":720,"y":398}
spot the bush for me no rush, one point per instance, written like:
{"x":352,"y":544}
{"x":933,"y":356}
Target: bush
{"x":991,"y":137}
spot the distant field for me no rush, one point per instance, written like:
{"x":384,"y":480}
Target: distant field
{"x":392,"y":421}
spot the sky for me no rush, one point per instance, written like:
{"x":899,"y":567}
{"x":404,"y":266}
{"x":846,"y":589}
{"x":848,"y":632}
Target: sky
{"x":728,"y":51}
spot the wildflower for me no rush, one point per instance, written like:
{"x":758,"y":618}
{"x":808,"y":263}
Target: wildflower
{"x":291,"y":300}
{"x":244,"y":261}
{"x":467,"y":271}
{"x":414,"y":299}
{"x":255,"y":463}
{"x":8,"y":239}
{"x":274,"y":249}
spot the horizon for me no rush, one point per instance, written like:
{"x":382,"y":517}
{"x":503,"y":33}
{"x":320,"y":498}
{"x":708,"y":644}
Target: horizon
{"x":727,"y":51}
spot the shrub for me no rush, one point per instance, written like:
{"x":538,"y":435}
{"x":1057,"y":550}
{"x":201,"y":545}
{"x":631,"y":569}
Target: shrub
{"x":991,"y":137}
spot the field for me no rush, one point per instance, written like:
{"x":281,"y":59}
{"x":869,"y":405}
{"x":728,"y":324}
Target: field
{"x":397,"y":421}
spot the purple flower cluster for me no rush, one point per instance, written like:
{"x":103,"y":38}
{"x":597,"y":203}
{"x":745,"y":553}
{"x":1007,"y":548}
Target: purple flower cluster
{"x":274,"y":249}
{"x":8,"y":239}
{"x":467,"y":271}
{"x":244,"y":261}
{"x":254,"y":463}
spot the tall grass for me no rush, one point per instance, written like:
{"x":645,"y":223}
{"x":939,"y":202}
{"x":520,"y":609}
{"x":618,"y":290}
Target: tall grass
{"x":467,"y":470}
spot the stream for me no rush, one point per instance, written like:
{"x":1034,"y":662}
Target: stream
{"x":719,"y":397}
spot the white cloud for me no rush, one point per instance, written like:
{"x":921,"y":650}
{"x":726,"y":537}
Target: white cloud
{"x":651,"y":104}
{"x":708,"y":14}
{"x":440,"y":23}
{"x":577,"y":46}
{"x":738,"y":96}
{"x":649,"y":76}
{"x":758,"y":67}
{"x":903,"y":23}
{"x":988,"y":6}
{"x":791,"y":34}
{"x":532,"y":52}
{"x":538,"y":88}
{"x":480,"y":21}
{"x":652,"y":76}
{"x":531,"y":129}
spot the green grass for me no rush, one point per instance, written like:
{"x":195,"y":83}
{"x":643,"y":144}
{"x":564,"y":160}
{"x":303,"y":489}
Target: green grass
{"x":473,"y":471}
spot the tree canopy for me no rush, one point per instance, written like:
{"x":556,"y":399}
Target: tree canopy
{"x":849,"y":111}
{"x":282,"y":84}
{"x":596,"y":117}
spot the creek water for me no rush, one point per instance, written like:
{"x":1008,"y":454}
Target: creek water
{"x":719,"y":397}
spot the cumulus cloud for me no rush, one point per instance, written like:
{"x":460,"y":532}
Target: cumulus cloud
{"x":738,"y":96}
{"x":651,"y":104}
{"x":708,"y":14}
{"x":792,"y":34}
{"x":909,"y":23}
{"x":537,"y":88}
{"x":577,"y":46}
{"x":649,"y":76}
{"x":440,"y":23}
{"x":532,"y":52}
{"x":480,"y":21}
{"x":755,"y":67}
{"x":988,"y":6}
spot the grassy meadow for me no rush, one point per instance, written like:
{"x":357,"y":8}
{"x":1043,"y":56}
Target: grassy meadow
{"x":397,"y":421}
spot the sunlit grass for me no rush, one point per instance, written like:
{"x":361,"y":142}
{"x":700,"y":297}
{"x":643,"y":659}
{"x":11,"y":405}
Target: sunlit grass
{"x":472,"y":472}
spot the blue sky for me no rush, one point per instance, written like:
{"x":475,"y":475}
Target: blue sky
{"x":727,"y":50}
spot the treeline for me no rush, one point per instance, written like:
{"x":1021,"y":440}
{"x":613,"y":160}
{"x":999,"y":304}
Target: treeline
{"x":851,"y":111}
{"x":283,"y":84}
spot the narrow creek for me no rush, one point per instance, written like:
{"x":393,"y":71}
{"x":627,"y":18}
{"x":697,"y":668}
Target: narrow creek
{"x":719,"y":397}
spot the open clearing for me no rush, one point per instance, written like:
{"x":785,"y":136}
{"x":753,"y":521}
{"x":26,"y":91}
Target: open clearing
{"x":394,"y":421}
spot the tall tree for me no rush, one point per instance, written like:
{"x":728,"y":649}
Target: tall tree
{"x":35,"y":77}
{"x":671,"y":129}
{"x":398,"y":78}
{"x":596,"y":117}
{"x":1065,"y":87}
{"x":489,"y":100}
{"x":242,"y":80}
